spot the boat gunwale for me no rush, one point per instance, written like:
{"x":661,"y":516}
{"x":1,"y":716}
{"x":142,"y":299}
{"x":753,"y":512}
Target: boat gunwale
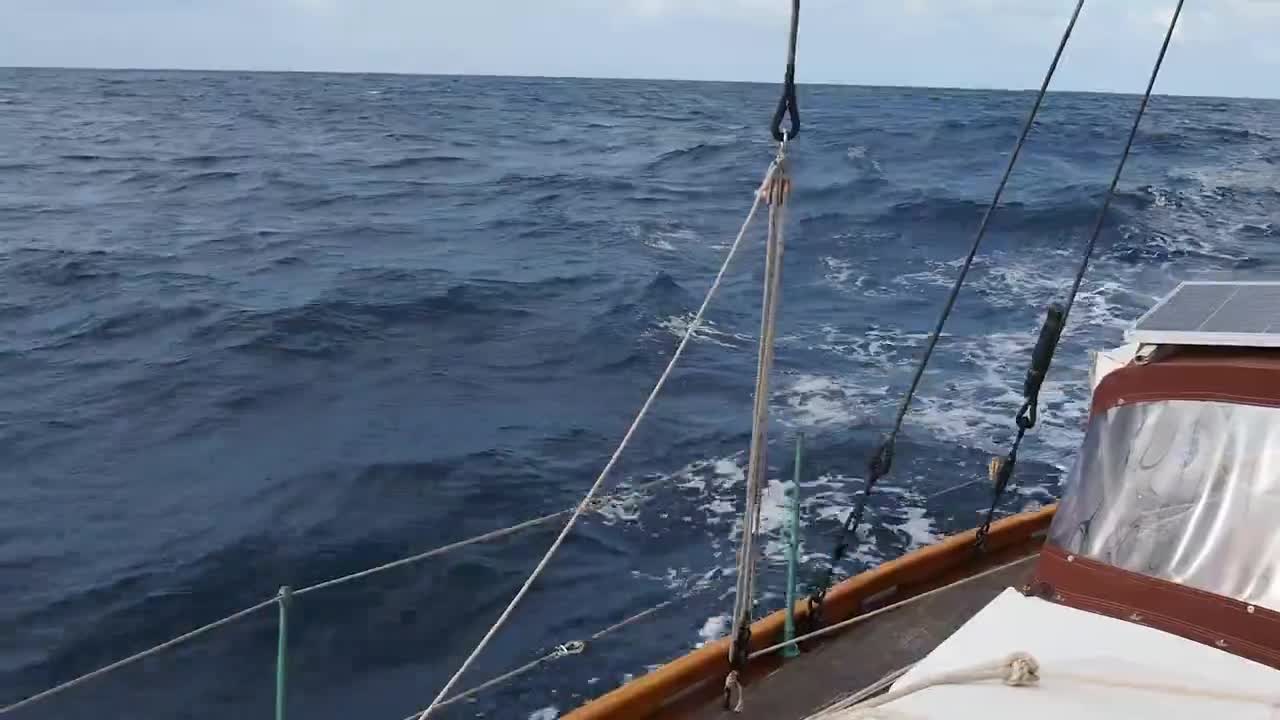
{"x":701,"y":671}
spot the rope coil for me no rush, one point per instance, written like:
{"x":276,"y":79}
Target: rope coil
{"x":574,"y":647}
{"x":1019,"y":669}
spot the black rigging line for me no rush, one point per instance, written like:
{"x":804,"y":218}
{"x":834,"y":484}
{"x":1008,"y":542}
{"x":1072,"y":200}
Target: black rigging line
{"x":1025,"y":419}
{"x":882,"y":457}
{"x":1041,"y":360}
{"x":1124,"y":156}
{"x":787,"y":103}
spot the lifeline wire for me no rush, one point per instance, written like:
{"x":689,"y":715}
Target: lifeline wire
{"x":584,"y":504}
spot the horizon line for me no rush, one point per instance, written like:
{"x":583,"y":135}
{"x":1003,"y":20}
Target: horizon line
{"x":623,"y":78}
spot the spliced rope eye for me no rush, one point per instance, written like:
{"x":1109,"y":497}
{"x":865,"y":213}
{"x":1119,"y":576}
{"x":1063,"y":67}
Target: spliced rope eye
{"x":787,"y":104}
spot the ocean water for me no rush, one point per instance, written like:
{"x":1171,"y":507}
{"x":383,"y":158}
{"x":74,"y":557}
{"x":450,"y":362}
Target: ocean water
{"x":267,"y":329}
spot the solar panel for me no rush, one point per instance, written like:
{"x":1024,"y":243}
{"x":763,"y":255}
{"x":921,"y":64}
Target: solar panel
{"x":1213,"y":313}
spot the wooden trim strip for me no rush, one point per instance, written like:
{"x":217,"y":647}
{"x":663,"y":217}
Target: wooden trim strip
{"x":645,"y":696}
{"x":1242,"y":376}
{"x":1235,"y":626}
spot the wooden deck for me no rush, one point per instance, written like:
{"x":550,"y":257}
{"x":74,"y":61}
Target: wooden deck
{"x":692,"y":685}
{"x":866,"y":653}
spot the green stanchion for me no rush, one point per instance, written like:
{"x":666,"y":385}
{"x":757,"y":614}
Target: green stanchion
{"x":793,"y":553}
{"x":282,"y":650}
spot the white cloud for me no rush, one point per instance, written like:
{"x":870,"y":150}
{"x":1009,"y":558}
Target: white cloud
{"x":326,"y":7}
{"x":1224,"y":46}
{"x":728,"y":10}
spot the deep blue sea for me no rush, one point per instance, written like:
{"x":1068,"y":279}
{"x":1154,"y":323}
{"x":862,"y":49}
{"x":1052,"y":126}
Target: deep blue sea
{"x":267,"y":329}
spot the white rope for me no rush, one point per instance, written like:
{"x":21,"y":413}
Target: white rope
{"x":756,"y":463}
{"x":1016,"y":670}
{"x":485,"y":537}
{"x":953,"y":488}
{"x":635,"y":618}
{"x":576,"y":647}
{"x":887,"y":608}
{"x":776,"y":190}
{"x":1208,"y":693}
{"x":872,"y":689}
{"x":613,"y":460}
{"x":570,"y":648}
{"x":139,"y":656}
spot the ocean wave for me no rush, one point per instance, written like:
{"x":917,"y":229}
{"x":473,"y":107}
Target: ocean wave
{"x":678,"y":325}
{"x":816,"y":401}
{"x":576,"y":183}
{"x":1164,"y":141}
{"x":325,"y":328}
{"x":1137,"y":247}
{"x":416,"y":161}
{"x":206,"y":160}
{"x":1255,"y":230}
{"x":666,"y":236}
{"x":660,"y":292}
{"x":62,"y":267}
{"x":135,"y":321}
{"x":896,"y":516}
{"x":866,"y":181}
{"x":859,"y":157}
{"x":209,"y":175}
{"x":699,"y":153}
{"x":87,"y":157}
{"x":341,"y":320}
{"x":381,"y":358}
{"x":1071,"y":208}
{"x":1230,"y":133}
{"x":195,"y":182}
{"x":143,"y":604}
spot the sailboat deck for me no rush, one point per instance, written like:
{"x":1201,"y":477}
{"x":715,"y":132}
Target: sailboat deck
{"x":867,"y":652}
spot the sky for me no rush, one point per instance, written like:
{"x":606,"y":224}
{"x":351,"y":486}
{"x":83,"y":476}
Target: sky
{"x":1222,"y":47}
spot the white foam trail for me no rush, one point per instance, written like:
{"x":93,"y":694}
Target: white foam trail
{"x":678,"y":325}
{"x":816,"y":400}
{"x":713,"y":629}
{"x":838,"y":271}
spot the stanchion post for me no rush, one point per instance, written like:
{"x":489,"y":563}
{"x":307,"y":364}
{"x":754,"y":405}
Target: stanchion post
{"x":793,"y":553}
{"x":282,"y":651}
